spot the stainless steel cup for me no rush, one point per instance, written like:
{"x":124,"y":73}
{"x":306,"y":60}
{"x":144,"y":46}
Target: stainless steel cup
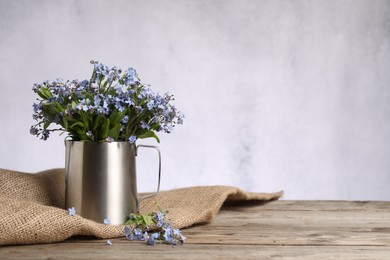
{"x":101,"y":179}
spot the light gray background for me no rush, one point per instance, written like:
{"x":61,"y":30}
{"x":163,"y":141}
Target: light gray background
{"x":290,"y":95}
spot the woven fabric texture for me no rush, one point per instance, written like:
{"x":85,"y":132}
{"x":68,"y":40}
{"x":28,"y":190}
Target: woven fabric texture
{"x":32,"y":208}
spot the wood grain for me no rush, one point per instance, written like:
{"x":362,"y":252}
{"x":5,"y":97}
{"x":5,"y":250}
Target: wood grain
{"x":274,"y":230}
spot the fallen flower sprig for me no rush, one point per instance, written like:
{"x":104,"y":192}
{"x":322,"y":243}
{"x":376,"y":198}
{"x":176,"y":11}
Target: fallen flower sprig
{"x":138,"y":227}
{"x":164,"y":233}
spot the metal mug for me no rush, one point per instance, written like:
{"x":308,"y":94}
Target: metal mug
{"x":101,"y":179}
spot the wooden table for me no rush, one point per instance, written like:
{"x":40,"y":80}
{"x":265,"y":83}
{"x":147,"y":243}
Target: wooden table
{"x":277,"y":229}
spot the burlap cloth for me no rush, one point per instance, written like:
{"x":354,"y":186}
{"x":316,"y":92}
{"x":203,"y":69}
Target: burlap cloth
{"x":32,"y":208}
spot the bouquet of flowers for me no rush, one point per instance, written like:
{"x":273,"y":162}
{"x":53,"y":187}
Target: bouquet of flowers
{"x":112,"y":106}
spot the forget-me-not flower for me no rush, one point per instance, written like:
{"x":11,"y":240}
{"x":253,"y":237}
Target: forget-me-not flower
{"x":125,"y":119}
{"x":159,"y":217}
{"x":145,"y":125}
{"x":132,"y":139}
{"x":150,"y":241}
{"x":72,"y":211}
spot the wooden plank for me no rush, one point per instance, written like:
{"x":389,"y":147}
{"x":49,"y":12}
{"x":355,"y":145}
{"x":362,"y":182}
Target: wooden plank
{"x":135,"y":250}
{"x":312,"y":205}
{"x":254,"y":225}
{"x":278,"y":229}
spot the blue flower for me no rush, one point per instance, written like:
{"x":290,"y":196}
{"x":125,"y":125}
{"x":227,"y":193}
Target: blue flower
{"x":168,"y":237}
{"x":107,"y":221}
{"x":129,"y":235}
{"x":84,"y":83}
{"x":45,"y":135}
{"x":127,"y":231}
{"x":176,"y":232}
{"x":168,"y":128}
{"x":104,"y":109}
{"x":145,"y":125}
{"x":132,"y":139}
{"x":36,"y":87}
{"x":159,"y":217}
{"x":101,"y":70}
{"x":138,"y":234}
{"x":130,"y":77}
{"x":150,"y":241}
{"x":84,"y":105}
{"x":109,"y":139}
{"x":128,"y":101}
{"x":146,"y":93}
{"x":71,"y":211}
{"x":97,"y":100}
{"x":150,"y":105}
{"x":180,"y":119}
{"x":178,"y":235}
{"x":36,"y":107}
{"x":118,"y":104}
{"x":131,"y":72}
{"x":120,"y":89}
{"x":113,"y":74}
{"x":101,"y":110}
{"x":125,"y":119}
{"x":168,"y":228}
{"x":168,"y":234}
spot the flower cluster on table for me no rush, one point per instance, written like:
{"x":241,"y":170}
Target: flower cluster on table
{"x":112,"y":106}
{"x":138,"y":228}
{"x":164,"y":232}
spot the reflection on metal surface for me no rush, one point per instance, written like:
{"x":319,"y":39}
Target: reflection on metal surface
{"x":101,"y":179}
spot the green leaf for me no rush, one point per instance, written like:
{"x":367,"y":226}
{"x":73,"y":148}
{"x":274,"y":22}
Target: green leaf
{"x":140,"y":221}
{"x":59,"y":107}
{"x":115,"y":117}
{"x":96,"y":121}
{"x":45,"y":93}
{"x":65,"y":122}
{"x":77,"y":125}
{"x":104,"y":129}
{"x":149,"y":134}
{"x":41,"y":95}
{"x":89,"y":95}
{"x":85,"y":118}
{"x":114,"y":132}
{"x":72,"y":120}
{"x":50,"y":109}
{"x":74,"y":105}
{"x":147,"y":219}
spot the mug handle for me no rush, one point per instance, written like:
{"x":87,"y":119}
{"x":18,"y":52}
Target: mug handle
{"x":159,"y":173}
